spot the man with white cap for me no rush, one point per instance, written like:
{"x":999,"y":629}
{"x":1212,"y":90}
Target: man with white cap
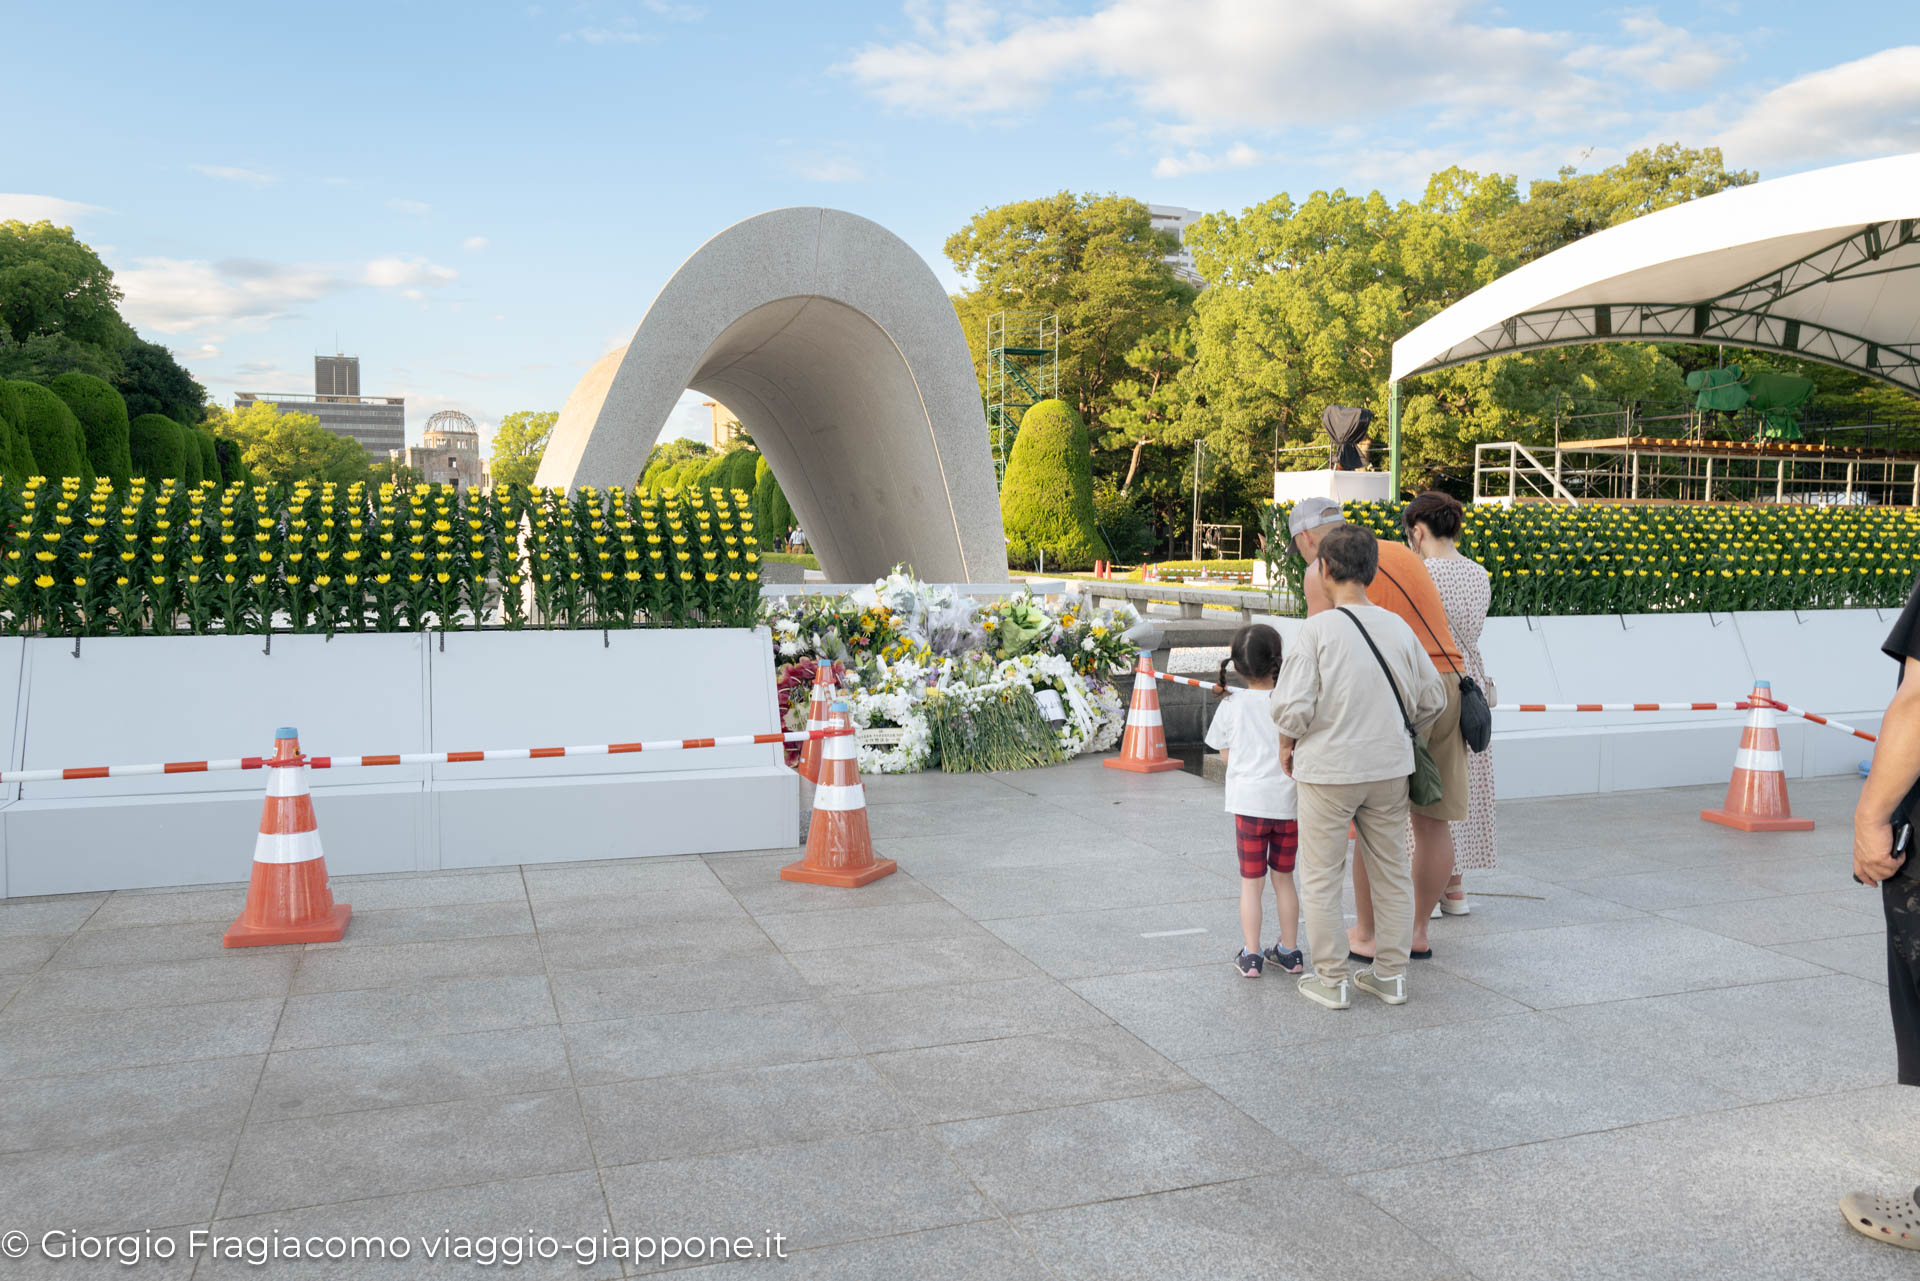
{"x":1404,"y":588}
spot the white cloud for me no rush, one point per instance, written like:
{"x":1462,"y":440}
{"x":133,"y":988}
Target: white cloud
{"x":418,"y":208}
{"x":1868,"y":107}
{"x":176,"y":295}
{"x":413,"y":294}
{"x":26,"y":208}
{"x":1201,"y":68}
{"x":830,"y":169}
{"x":205,"y":351}
{"x":229,"y":173}
{"x":1660,"y":56}
{"x":623,"y":31}
{"x":674,"y":12}
{"x":474,"y":244}
{"x":388,"y":273}
{"x":1238,"y":156}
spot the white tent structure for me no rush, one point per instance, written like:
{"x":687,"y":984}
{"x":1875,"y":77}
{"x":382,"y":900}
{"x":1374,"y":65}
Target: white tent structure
{"x":1822,"y":265}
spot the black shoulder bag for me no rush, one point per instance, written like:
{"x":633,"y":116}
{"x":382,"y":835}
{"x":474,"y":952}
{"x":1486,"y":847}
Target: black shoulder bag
{"x":1476,"y":718}
{"x":1423,"y":785}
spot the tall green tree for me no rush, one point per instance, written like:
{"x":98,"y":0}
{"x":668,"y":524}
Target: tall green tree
{"x":279,"y":448}
{"x":153,"y":382}
{"x":1557,"y":211}
{"x":1150,"y":403}
{"x":50,"y":283}
{"x":1097,"y":262}
{"x":519,"y":442}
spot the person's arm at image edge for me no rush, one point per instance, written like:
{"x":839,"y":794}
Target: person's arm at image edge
{"x":1896,"y":766}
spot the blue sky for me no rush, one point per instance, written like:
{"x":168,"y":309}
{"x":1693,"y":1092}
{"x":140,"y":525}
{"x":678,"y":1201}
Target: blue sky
{"x":481,"y":199}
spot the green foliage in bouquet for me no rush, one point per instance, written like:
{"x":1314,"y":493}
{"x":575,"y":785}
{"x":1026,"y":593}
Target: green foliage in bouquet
{"x":992,"y":728}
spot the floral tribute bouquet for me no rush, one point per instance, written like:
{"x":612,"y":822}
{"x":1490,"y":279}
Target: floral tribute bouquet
{"x":933,"y":676}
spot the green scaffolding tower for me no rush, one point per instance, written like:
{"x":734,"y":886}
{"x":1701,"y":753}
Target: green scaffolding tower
{"x":1023,"y":368}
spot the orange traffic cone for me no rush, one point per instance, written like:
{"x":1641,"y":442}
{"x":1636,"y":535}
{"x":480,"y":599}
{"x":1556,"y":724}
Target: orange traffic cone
{"x":810,"y":751}
{"x":839,"y":849}
{"x":1143,"y":747}
{"x":288,"y":900}
{"x":1757,"y":794}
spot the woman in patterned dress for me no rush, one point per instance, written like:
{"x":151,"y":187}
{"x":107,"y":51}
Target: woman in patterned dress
{"x":1432,"y":522}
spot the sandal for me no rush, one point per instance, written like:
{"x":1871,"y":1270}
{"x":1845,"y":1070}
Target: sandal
{"x":1415,"y":954}
{"x":1454,"y":903}
{"x":1895,"y":1220}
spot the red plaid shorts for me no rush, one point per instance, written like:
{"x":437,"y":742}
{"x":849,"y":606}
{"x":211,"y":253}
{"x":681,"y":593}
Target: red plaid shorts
{"x":1265,"y":843}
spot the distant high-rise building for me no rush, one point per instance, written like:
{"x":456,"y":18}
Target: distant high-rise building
{"x":726,"y":425}
{"x":336,"y":375}
{"x":379,"y":423}
{"x":1175,"y":219}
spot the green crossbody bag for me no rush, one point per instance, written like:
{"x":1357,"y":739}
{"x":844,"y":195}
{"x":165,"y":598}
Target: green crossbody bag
{"x":1423,"y":785}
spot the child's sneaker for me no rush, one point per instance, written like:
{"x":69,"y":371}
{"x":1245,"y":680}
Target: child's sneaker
{"x":1290,"y":961}
{"x":1248,"y":964}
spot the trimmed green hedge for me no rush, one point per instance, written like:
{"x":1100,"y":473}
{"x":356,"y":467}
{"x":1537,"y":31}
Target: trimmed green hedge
{"x":16,"y":451}
{"x":1195,"y":567}
{"x":59,"y":443}
{"x":159,"y":447}
{"x":102,"y":412}
{"x":1046,"y":501}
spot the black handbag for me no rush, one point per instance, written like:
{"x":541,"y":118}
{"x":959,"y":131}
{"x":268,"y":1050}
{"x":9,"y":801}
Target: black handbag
{"x":1423,"y":785}
{"x":1476,"y":717}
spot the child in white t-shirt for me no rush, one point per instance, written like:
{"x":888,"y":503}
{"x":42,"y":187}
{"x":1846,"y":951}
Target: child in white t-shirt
{"x":1260,"y":796}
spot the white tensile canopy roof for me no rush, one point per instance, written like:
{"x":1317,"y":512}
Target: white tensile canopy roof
{"x":1822,"y":265}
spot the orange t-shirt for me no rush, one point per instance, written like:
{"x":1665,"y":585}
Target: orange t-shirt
{"x":1404,"y":586}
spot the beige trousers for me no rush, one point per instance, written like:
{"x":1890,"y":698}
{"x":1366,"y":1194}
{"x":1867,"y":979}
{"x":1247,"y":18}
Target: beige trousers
{"x":1378,"y":812}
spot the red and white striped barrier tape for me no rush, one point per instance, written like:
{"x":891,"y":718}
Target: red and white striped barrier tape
{"x":1741,"y":706}
{"x":412,"y":758}
{"x":1210,"y":686}
{"x":1822,"y":720}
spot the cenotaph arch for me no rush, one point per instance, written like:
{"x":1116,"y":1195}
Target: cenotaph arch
{"x":837,"y":348}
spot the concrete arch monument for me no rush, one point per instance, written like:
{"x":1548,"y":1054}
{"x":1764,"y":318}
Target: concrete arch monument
{"x":839,"y":351}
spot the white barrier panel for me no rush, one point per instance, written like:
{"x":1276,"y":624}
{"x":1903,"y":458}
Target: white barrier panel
{"x":180,"y":698}
{"x":1834,"y":654}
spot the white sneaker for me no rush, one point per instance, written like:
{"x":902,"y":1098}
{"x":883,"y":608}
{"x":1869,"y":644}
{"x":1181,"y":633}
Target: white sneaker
{"x":1320,"y":992}
{"x":1393,"y":991}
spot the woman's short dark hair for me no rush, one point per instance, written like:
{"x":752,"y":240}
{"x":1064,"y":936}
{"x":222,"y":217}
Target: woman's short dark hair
{"x":1350,"y":554}
{"x":1440,"y":513}
{"x":1256,"y":653}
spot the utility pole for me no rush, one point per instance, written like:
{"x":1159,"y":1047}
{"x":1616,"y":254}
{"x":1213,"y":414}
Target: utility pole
{"x":1196,"y":497}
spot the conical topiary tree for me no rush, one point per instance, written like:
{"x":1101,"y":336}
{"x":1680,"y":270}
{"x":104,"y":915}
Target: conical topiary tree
{"x":208,"y":453}
{"x":1046,"y":501}
{"x":16,"y":451}
{"x":59,"y":445}
{"x":102,"y":412}
{"x":772,"y":516}
{"x":159,"y":447}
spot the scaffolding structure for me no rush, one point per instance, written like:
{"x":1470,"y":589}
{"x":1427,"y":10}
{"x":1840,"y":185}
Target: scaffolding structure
{"x":1023,"y":369}
{"x":1636,"y":452}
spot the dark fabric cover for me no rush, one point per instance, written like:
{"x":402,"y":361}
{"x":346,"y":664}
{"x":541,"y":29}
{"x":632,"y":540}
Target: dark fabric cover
{"x":1347,"y":426}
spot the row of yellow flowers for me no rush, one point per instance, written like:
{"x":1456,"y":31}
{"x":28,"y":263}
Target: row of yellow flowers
{"x":163,"y":557}
{"x":1631,"y":559}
